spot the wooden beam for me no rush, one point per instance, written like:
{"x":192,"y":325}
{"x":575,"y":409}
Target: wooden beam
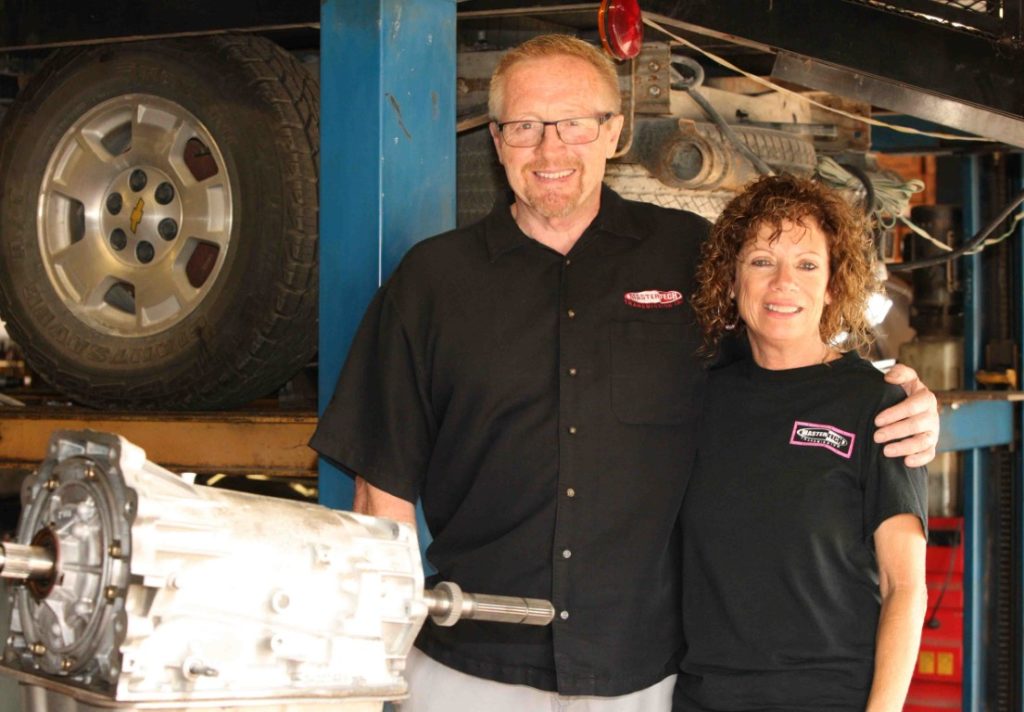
{"x":206,"y":443}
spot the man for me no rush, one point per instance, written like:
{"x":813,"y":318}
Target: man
{"x":533,"y":379}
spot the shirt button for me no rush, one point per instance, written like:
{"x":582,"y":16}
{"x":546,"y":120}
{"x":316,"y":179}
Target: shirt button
{"x":571,"y":314}
{"x":570,"y":492}
{"x":568,"y":261}
{"x":572,"y":430}
{"x":572,"y":371}
{"x":566,"y":553}
{"x":564,"y":615}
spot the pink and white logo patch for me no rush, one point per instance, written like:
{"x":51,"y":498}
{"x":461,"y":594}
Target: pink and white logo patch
{"x":827,"y":436}
{"x":654,"y":299}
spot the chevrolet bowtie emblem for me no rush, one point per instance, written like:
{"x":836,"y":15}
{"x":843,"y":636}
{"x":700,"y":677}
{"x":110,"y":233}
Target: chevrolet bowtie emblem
{"x":137,"y":214}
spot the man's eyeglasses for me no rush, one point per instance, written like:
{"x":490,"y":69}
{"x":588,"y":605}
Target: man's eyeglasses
{"x":575,"y":131}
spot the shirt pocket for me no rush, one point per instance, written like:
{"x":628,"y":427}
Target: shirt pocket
{"x":655,"y":376}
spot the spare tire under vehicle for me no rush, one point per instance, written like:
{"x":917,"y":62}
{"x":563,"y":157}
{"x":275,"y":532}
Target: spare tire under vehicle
{"x":158,"y":221}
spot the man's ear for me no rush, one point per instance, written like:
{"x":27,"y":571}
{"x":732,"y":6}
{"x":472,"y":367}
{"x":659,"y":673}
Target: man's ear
{"x":614,"y":128}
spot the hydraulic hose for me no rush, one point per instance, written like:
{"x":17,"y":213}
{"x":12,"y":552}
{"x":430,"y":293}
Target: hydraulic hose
{"x":968,"y":246}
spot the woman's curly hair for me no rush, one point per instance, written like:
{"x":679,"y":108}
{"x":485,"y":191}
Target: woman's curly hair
{"x":771,"y":200}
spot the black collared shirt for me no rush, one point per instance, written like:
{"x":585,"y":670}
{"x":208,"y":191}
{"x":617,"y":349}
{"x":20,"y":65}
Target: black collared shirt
{"x":544,"y":408}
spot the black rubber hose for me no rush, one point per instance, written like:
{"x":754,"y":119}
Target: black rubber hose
{"x":964,"y":248}
{"x":865,"y":180}
{"x":690,"y":84}
{"x":759,"y":164}
{"x":932,"y":620}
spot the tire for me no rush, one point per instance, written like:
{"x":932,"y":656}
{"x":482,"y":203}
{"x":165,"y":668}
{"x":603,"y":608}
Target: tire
{"x":633,"y":181}
{"x":202,"y":296}
{"x":783,"y":151}
{"x":480,"y":178}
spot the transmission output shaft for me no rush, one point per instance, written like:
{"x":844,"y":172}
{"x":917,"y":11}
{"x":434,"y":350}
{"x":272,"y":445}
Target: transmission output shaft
{"x":20,"y":562}
{"x":447,"y":604}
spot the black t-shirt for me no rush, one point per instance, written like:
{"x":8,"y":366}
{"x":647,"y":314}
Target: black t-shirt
{"x":544,"y":408}
{"x":780,"y":580}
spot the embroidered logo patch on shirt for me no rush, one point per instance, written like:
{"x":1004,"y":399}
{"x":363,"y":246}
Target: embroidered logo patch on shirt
{"x":654,"y":299}
{"x":827,"y":436}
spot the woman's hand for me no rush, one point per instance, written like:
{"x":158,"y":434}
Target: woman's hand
{"x":911,"y":427}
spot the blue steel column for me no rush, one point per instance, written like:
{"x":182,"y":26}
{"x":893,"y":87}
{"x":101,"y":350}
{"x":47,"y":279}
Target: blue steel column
{"x":974,"y":497}
{"x":1018,"y":511}
{"x":387,"y":161}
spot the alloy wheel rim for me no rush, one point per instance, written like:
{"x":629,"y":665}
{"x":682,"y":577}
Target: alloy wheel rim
{"x":134,"y":215}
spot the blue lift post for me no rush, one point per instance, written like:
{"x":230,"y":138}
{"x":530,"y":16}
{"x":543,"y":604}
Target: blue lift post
{"x":387,"y":162}
{"x":973,"y":461}
{"x":975,"y":427}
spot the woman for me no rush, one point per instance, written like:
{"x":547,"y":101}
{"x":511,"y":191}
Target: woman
{"x":804,"y":546}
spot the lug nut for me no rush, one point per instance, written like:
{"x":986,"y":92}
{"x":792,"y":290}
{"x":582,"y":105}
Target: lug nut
{"x":167,"y":228}
{"x":114,"y":203}
{"x":164,"y":193}
{"x":118,"y":239}
{"x":138,"y":179}
{"x":145,"y":252}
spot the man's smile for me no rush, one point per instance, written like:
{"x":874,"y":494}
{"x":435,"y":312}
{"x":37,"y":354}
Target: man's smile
{"x":554,"y":175}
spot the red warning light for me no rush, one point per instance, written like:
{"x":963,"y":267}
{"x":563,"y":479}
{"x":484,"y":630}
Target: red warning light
{"x":621,"y":26}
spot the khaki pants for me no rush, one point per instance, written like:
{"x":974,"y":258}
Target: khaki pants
{"x":434,"y":687}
